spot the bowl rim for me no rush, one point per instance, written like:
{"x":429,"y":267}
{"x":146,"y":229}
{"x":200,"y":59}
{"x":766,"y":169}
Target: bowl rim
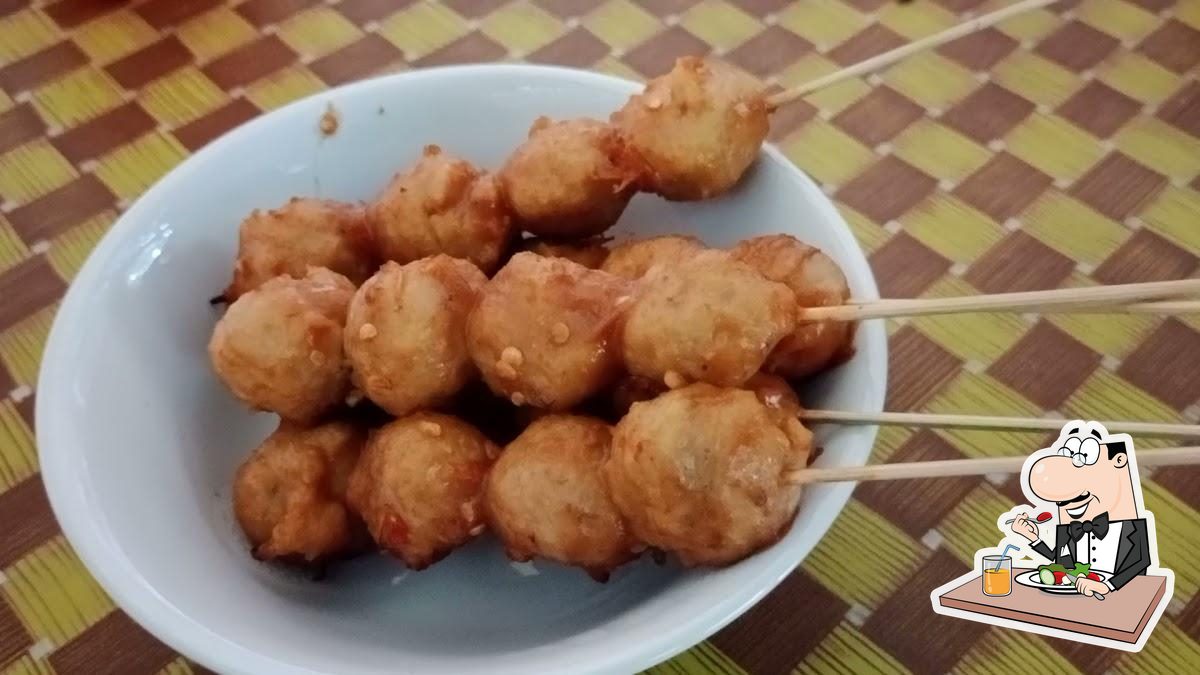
{"x":70,"y":493}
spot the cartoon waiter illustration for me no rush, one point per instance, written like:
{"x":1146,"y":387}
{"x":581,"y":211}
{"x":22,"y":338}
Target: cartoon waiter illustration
{"x":1099,"y":523}
{"x":1086,"y":537}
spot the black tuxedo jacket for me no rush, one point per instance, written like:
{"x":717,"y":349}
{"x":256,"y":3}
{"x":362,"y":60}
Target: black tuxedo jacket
{"x":1133,"y":551}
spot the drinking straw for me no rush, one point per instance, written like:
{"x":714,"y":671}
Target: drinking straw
{"x":1000,"y":562}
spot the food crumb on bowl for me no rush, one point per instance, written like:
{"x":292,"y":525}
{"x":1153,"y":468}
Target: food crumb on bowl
{"x":330,"y":121}
{"x":525,"y":569}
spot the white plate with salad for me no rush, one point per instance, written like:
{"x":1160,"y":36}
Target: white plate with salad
{"x":1058,"y":578}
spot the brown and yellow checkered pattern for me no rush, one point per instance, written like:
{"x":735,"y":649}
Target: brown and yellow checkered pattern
{"x":1061,"y":148}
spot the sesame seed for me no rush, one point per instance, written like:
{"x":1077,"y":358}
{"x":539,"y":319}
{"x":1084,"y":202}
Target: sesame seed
{"x":518,"y":399}
{"x":317,"y":358}
{"x":512,"y":356}
{"x":431,"y":428}
{"x":476,"y":531}
{"x":354,"y":397}
{"x":505,"y":370}
{"x":560,"y":333}
{"x":367,"y":331}
{"x":673,"y":380}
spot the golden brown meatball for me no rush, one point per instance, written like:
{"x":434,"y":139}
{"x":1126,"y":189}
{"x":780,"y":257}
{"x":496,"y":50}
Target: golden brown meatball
{"x":406,"y":332}
{"x":699,"y":127}
{"x":419,"y":486}
{"x":632,"y":259}
{"x":279,"y":347}
{"x":700,"y":471}
{"x":817,"y":281}
{"x":570,"y":179}
{"x":590,"y":252}
{"x":711,"y":319}
{"x":544,"y":330}
{"x":300,"y":234}
{"x":289,"y":496}
{"x":546,"y":496}
{"x":441,"y":205}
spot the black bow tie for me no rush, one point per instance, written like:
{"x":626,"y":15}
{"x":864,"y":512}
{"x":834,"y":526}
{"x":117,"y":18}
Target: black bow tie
{"x":1097,"y":526}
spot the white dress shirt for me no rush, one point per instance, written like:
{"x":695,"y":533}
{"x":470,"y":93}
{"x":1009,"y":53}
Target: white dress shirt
{"x":1101,"y":554}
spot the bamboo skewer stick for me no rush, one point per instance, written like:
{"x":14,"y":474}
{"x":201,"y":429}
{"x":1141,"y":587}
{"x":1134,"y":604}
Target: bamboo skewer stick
{"x":991,"y":422}
{"x":1071,"y":299}
{"x":888,"y":58}
{"x":1188,"y":455}
{"x":1166,"y":307}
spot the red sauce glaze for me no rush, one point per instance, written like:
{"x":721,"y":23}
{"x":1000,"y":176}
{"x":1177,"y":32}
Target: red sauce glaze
{"x":393,"y":531}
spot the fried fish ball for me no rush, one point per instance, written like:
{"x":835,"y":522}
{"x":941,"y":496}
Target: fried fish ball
{"x":419,"y":486}
{"x":701,"y":471}
{"x":279,"y":347}
{"x":817,"y":281}
{"x":632,"y":259}
{"x":591,"y":252}
{"x":711,"y":319}
{"x":289,"y":496}
{"x":546,"y":496}
{"x":443,"y":204}
{"x":544,"y":331}
{"x":300,"y":234}
{"x":698,"y":128}
{"x":570,"y":179}
{"x":406,"y":332}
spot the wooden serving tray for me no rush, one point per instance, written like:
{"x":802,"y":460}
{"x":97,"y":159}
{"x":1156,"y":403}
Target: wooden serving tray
{"x":1121,"y":616}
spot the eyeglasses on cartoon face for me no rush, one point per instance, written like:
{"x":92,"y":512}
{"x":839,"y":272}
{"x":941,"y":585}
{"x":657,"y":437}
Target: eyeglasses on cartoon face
{"x":1082,"y":451}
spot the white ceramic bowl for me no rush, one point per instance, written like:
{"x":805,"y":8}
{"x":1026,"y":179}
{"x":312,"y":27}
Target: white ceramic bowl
{"x":139,"y":441}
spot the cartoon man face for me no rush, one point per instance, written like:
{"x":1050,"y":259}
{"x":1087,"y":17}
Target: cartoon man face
{"x":1086,"y":476}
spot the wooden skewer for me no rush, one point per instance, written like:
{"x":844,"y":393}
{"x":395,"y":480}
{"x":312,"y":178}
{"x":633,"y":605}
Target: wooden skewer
{"x":1188,"y":455}
{"x":888,"y":58}
{"x":1164,"y":308}
{"x":1072,"y":299}
{"x":991,"y":422}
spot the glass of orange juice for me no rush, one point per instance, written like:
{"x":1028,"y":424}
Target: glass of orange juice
{"x":997,"y":575}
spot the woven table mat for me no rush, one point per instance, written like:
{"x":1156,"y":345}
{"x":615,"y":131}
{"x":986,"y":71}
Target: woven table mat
{"x":1061,"y":148}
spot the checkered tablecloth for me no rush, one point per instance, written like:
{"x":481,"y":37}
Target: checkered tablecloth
{"x":1061,"y":148}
